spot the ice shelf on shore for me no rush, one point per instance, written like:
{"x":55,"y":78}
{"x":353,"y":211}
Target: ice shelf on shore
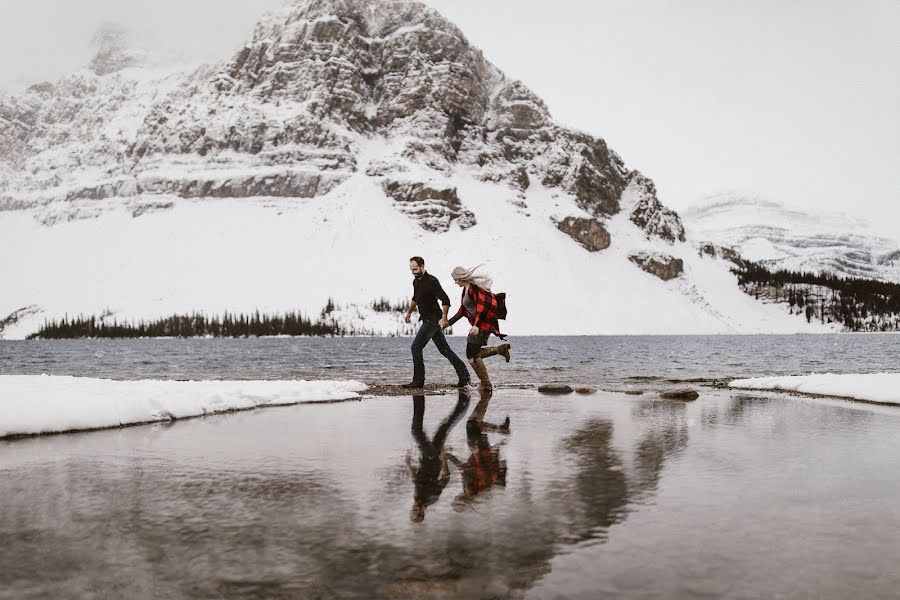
{"x":870,"y":387}
{"x":32,"y":404}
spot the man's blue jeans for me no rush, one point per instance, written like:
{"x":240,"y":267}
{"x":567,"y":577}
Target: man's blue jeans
{"x":431,"y":330}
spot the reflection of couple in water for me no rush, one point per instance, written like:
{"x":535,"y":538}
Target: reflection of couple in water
{"x":479,"y":473}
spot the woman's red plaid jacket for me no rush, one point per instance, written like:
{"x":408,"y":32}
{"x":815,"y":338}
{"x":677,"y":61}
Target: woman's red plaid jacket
{"x":489,"y":308}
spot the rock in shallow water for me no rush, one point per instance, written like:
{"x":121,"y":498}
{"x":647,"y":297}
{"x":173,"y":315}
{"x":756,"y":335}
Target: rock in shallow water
{"x":680,"y":394}
{"x":556,"y":388}
{"x":585,"y":390}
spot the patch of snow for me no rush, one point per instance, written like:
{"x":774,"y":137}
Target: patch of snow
{"x":33,"y":404}
{"x":881,"y":388}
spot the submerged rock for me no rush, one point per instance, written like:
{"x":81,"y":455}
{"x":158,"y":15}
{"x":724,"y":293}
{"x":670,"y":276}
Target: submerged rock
{"x":680,"y":394}
{"x":585,"y":390}
{"x":555,"y":388}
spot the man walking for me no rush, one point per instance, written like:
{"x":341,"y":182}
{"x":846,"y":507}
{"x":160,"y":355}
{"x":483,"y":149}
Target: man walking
{"x":427,"y":291}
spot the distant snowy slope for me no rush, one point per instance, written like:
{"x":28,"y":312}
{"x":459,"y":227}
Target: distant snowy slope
{"x":788,"y":238}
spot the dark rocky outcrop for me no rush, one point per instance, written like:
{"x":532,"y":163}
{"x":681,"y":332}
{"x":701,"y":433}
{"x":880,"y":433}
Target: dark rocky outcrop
{"x":890,"y":258}
{"x":590,"y":233}
{"x":648,"y":213}
{"x":662,"y":265}
{"x":434,"y":208}
{"x":724,"y":252}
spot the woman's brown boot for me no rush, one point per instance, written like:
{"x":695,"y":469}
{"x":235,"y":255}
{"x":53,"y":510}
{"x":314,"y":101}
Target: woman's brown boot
{"x":481,"y":371}
{"x":502,"y":350}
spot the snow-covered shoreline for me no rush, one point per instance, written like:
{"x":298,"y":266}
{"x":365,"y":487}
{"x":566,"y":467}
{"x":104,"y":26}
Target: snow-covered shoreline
{"x":876,"y":388}
{"x":37,"y":404}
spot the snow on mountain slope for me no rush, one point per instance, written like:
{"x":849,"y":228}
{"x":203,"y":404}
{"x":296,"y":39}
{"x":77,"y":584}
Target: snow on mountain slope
{"x":782,"y":237}
{"x":279,"y":254}
{"x":343,"y":138}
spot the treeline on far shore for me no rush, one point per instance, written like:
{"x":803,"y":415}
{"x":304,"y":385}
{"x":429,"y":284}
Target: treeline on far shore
{"x":194,"y":325}
{"x":233,"y":325}
{"x":856,"y":303}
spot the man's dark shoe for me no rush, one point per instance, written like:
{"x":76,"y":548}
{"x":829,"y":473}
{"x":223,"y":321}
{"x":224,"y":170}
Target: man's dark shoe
{"x":464,"y":383}
{"x":413,"y":385}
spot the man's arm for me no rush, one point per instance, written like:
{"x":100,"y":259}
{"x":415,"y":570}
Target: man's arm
{"x":441,"y":295}
{"x":409,"y":312}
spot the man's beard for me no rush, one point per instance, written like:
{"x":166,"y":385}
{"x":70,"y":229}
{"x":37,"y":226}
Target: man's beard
{"x":418,"y":275}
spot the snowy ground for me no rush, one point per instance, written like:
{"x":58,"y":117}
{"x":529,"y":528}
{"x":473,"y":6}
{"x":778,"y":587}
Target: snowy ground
{"x":883,"y":388}
{"x":45,"y":404}
{"x":353,"y":245}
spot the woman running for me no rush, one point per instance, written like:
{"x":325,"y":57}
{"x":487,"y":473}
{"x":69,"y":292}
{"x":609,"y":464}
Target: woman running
{"x":482,"y":308}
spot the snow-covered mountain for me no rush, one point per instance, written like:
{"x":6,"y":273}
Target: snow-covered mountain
{"x":782,"y":237}
{"x":344,"y":137}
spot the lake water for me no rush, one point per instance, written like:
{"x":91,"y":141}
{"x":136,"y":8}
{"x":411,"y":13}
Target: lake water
{"x":614,"y":361}
{"x":608,"y":495}
{"x":734,"y":495}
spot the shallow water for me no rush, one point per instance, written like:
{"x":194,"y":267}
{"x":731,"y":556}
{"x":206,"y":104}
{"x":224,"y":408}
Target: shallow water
{"x":613,"y":362}
{"x":733,"y":496}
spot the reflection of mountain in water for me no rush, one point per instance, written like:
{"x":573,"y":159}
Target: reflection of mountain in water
{"x":285,"y":532}
{"x":667,"y":437}
{"x":513,"y":549}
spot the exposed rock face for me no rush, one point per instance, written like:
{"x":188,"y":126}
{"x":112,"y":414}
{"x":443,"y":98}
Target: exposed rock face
{"x":663,"y":266}
{"x":590,"y":233}
{"x":435,"y":209}
{"x":315,"y":82}
{"x":648,"y":213}
{"x":891,"y":258}
{"x":725,"y":252}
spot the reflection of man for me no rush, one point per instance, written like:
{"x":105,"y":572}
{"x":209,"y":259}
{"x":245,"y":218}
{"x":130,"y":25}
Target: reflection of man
{"x":427,"y":291}
{"x":432,"y":474}
{"x":484,"y":469}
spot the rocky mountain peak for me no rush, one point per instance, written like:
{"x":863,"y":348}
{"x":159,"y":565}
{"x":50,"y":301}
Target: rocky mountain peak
{"x":114,"y":50}
{"x":288,"y":114}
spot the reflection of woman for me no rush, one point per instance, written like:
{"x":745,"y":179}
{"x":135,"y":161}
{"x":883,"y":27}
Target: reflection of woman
{"x":431,"y":476}
{"x":484,"y":469}
{"x":482,"y":308}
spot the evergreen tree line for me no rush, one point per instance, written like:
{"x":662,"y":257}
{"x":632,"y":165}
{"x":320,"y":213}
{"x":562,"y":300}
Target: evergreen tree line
{"x":194,"y":325}
{"x":858,"y":304}
{"x":384,"y":305}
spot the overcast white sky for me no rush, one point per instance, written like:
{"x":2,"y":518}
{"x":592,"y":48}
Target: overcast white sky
{"x":798,"y":100}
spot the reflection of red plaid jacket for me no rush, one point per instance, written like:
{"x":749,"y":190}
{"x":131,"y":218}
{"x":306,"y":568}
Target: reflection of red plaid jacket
{"x":489,"y":307}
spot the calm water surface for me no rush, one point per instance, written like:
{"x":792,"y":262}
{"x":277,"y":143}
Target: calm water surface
{"x":731,"y":496}
{"x":611,"y":361}
{"x":608,"y":495}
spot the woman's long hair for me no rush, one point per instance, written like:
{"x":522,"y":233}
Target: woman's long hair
{"x":482,"y":280}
